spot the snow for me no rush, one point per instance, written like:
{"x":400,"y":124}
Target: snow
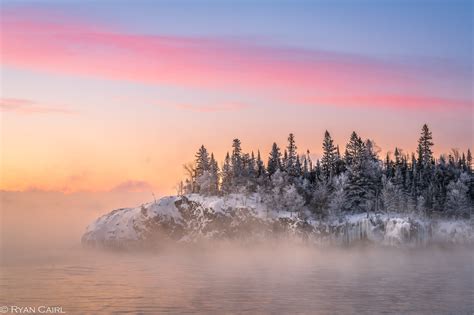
{"x":232,"y":201}
{"x":164,"y":207}
{"x":129,"y":224}
{"x":122,"y":224}
{"x":116,"y":225}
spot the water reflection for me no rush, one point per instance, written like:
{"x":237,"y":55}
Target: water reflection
{"x":232,"y":279}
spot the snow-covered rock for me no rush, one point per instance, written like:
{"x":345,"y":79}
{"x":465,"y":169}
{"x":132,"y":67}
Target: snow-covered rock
{"x":246,"y":217}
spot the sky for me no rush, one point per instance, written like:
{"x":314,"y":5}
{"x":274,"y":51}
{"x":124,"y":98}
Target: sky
{"x":118,"y":95}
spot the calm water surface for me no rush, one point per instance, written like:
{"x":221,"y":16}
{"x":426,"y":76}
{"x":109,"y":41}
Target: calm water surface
{"x":262,"y":280}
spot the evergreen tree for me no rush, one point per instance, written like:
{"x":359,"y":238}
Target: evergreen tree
{"x":298,"y":168}
{"x":292,"y":157}
{"x":425,"y":171}
{"x":458,"y":203}
{"x":389,"y":167}
{"x":329,"y":159}
{"x":353,"y":149}
{"x":237,"y":163}
{"x":284,"y":161}
{"x":337,"y":199}
{"x":260,"y":166}
{"x":363,"y":176}
{"x":317,"y":172}
{"x":202,"y":161}
{"x":251,"y":172}
{"x":397,"y":154}
{"x":227,"y":175}
{"x":425,"y":155}
{"x":469,"y":161}
{"x":214,"y":175}
{"x":470,"y":182}
{"x":305,"y":168}
{"x":340,"y":165}
{"x":274,"y":160}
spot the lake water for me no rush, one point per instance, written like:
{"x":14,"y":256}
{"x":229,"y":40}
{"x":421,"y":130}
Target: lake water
{"x":226,"y":280}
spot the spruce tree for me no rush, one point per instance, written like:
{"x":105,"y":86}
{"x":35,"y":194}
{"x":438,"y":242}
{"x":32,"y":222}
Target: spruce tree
{"x":214,"y":175}
{"x":425,"y":171}
{"x":251,"y":172}
{"x":469,"y":161}
{"x":458,"y":203}
{"x":237,"y":163}
{"x":202,"y":161}
{"x":292,"y":157}
{"x":227,"y":175}
{"x":284,"y":161}
{"x":260,"y":166}
{"x":353,"y":149}
{"x":425,"y":154}
{"x":298,"y":168}
{"x":274,"y":160}
{"x":328,"y":161}
{"x":340,"y":165}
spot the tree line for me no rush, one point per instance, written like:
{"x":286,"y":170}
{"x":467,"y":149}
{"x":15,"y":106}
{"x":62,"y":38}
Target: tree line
{"x":353,"y":182}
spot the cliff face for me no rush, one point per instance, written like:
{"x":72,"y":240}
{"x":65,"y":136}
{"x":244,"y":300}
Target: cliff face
{"x":238,"y":217}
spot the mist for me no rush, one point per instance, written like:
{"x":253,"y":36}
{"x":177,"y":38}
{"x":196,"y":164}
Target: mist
{"x":43,"y":263}
{"x":44,"y":221}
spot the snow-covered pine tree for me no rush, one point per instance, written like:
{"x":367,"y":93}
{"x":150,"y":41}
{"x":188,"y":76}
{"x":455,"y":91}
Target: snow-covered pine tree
{"x":252,"y":166}
{"x":251,"y":172}
{"x":328,"y":161}
{"x":425,"y":154}
{"x":260,"y":166}
{"x":226,"y":175}
{"x":353,"y":149}
{"x":317,"y":172}
{"x":340,"y":165}
{"x":237,"y":164}
{"x":470,"y":183}
{"x":204,"y":183}
{"x":392,"y":197}
{"x":202,"y":161}
{"x":469,"y":161}
{"x":457,"y":201}
{"x":202,"y":166}
{"x":389,"y":170}
{"x":292,"y":158}
{"x":320,"y":199}
{"x":274,"y":160}
{"x":284,"y":161}
{"x":337,"y":199}
{"x":372,"y":173}
{"x":397,"y":155}
{"x":298,"y":168}
{"x":283,"y":195}
{"x":357,"y":185}
{"x":364,"y":175}
{"x":305,"y":168}
{"x":425,"y":169}
{"x":214,"y":175}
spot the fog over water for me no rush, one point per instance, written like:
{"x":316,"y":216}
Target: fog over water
{"x":42,"y":263}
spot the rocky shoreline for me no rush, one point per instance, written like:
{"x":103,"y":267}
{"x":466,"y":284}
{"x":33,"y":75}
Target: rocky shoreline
{"x":191,"y":218}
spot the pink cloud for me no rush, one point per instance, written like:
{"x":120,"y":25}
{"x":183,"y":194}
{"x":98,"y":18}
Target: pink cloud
{"x":206,"y":108}
{"x":23,"y":106}
{"x":33,"y":41}
{"x":386,"y":100}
